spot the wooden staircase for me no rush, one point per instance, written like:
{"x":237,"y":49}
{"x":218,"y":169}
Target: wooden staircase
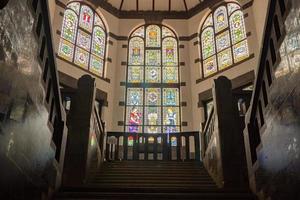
{"x":151,"y":180}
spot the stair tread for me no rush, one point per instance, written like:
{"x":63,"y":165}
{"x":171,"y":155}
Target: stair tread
{"x":151,"y":180}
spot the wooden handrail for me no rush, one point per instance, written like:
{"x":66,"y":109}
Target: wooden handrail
{"x":208,"y":124}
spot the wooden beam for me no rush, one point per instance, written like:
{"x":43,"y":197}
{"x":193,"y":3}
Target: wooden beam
{"x":186,"y":8}
{"x":121,"y":5}
{"x":153,"y":5}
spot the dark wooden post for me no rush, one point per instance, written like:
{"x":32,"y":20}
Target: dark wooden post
{"x":78,"y":122}
{"x":229,"y":133}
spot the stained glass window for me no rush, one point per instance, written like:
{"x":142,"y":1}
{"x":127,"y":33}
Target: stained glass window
{"x":170,"y":75}
{"x":169,"y":55}
{"x":83,"y":38}
{"x":170,"y":97}
{"x":69,"y":26}
{"x":153,"y":75}
{"x":223,"y":39}
{"x":134,"y":96}
{"x":173,"y":141}
{"x":208,"y":42}
{"x":86,"y":18}
{"x":153,"y":95}
{"x":238,"y":32}
{"x":135,"y":74}
{"x":136,"y":51}
{"x":153,"y":36}
{"x":220,"y":19}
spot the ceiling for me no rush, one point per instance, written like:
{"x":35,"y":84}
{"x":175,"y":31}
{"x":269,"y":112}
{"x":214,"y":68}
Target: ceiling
{"x":166,"y":8}
{"x":156,"y":5}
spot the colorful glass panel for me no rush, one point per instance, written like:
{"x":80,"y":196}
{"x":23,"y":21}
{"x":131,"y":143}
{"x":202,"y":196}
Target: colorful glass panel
{"x":134,"y":129}
{"x":171,"y":129}
{"x":152,"y":129}
{"x":81,"y":58}
{"x":171,"y":116}
{"x":152,"y":97}
{"x":153,"y":57}
{"x":83,"y":40}
{"x":66,"y":50}
{"x":173,"y":141}
{"x":240,"y":51}
{"x":170,"y":75}
{"x":136,"y":51}
{"x":86,"y":18}
{"x":96,"y":65}
{"x":134,"y":116}
{"x":209,"y":66}
{"x":74,"y":6}
{"x":135,"y":74}
{"x":220,"y":19}
{"x":208,"y":22}
{"x":223,"y":41}
{"x":167,"y":32}
{"x":98,"y":44}
{"x":217,"y":49}
{"x":98,"y":21}
{"x":130,"y":141}
{"x":152,"y":116}
{"x":237,"y":26}
{"x":147,"y":70}
{"x":153,"y":36}
{"x":208,"y":42}
{"x":170,"y":96}
{"x":169,"y":49}
{"x":135,"y":96}
{"x":139,"y":32}
{"x":232,"y":7}
{"x":69,"y":26}
{"x":225,"y":59}
{"x":153,"y":75}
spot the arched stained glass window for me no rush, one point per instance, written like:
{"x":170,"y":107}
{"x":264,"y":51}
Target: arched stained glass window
{"x":83,"y":38}
{"x":223,"y":39}
{"x":152,"y":89}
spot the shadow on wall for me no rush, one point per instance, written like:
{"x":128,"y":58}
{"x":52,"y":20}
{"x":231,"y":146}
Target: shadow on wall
{"x":24,"y":135}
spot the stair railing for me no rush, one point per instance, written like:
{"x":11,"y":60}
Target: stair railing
{"x":208,"y":129}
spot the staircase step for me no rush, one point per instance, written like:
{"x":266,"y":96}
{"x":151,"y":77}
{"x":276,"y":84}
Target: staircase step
{"x":151,"y":180}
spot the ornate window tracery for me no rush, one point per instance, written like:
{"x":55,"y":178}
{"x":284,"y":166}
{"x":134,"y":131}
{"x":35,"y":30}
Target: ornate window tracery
{"x":83,"y":38}
{"x":153,"y":90}
{"x":223,"y":39}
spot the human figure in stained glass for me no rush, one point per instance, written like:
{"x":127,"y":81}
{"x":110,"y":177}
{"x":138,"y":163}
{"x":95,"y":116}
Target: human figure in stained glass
{"x":86,"y":17}
{"x":135,"y":120}
{"x":170,"y":117}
